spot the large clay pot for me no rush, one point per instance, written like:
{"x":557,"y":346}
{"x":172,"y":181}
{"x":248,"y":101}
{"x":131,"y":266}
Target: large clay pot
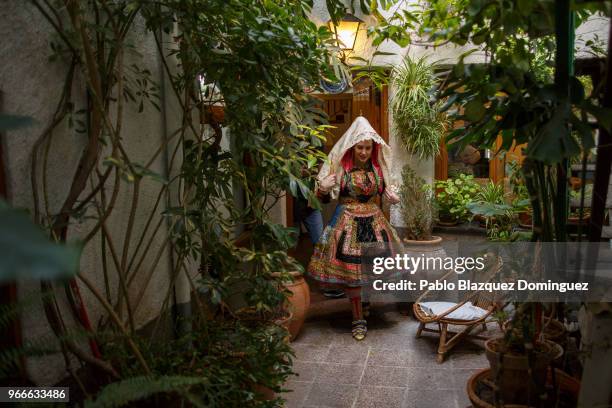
{"x":473,"y":392}
{"x":557,"y":353}
{"x":554,"y":330}
{"x":263,"y":393}
{"x":448,"y":223}
{"x":430,"y":249}
{"x":525,"y":219}
{"x":299,"y":301}
{"x":512,"y":370}
{"x":567,"y":386}
{"x":434,"y":241}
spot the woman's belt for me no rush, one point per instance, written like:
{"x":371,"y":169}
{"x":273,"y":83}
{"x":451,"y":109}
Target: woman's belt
{"x":352,"y":200}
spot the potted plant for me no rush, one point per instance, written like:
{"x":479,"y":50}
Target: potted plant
{"x":491,"y":193}
{"x":287,"y":273}
{"x":453,"y":197}
{"x":298,"y":299}
{"x":576,"y":218}
{"x":417,"y":121}
{"x":521,"y":354}
{"x":490,"y":206}
{"x":418,"y":208}
{"x":524,"y":212}
{"x":520,"y":195}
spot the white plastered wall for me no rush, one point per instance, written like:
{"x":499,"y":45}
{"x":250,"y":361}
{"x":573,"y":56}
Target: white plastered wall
{"x":31,"y":85}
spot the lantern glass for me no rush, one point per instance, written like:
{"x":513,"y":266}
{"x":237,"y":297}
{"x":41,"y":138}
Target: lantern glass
{"x":346,"y":31}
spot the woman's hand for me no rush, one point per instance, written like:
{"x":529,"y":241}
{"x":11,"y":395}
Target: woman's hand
{"x":391,"y":196}
{"x":327,"y":183}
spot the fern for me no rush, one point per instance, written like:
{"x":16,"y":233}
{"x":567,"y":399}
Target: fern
{"x":137,"y":388}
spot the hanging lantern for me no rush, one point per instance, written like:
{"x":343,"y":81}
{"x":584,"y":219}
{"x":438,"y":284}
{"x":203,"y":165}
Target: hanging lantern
{"x":346,"y":31}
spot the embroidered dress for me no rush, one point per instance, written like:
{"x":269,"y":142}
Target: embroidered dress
{"x":357,"y":220}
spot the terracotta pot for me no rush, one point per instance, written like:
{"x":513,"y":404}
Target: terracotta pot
{"x":512,"y":370}
{"x":285,"y":323}
{"x":554,"y":331}
{"x":556,"y":353}
{"x":435,"y":240}
{"x":567,"y":386}
{"x":263,"y":393}
{"x":525,"y":219}
{"x":299,"y":301}
{"x":576,"y":220}
{"x":481,"y":219}
{"x":473,"y":394}
{"x":431,"y":249}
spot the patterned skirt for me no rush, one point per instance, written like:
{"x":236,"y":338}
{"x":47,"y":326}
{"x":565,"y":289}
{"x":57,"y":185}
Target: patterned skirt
{"x":337,"y":256}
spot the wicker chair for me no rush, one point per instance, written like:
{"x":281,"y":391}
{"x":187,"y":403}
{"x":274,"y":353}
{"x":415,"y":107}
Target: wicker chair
{"x":483,"y":300}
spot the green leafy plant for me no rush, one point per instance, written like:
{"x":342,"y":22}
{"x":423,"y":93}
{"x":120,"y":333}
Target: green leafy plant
{"x":490,"y":203}
{"x":253,"y":60}
{"x":491,"y":193}
{"x":418,"y":205}
{"x":417,"y":119}
{"x":454,"y":195}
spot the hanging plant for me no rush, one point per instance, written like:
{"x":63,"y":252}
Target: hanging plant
{"x":417,"y":119}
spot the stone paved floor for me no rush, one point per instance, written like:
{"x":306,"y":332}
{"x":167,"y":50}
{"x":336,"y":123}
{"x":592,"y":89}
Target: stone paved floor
{"x":390,"y":368}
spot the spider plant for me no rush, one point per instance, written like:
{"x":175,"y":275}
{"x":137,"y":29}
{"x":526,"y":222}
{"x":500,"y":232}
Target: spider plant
{"x":490,"y":204}
{"x":417,"y":118}
{"x":491,"y":193}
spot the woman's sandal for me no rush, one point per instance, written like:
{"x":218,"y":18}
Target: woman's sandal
{"x":360,"y":329}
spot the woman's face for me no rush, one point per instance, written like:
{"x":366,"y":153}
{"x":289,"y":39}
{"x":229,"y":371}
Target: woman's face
{"x":362,"y":152}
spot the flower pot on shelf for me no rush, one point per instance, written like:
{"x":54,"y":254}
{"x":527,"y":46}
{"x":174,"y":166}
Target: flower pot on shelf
{"x":510,"y":369}
{"x":298,"y":301}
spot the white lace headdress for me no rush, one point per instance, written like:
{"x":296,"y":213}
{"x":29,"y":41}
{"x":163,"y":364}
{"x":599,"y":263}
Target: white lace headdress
{"x":359,"y":131}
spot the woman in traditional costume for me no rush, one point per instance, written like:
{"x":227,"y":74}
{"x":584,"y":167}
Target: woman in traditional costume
{"x":356,"y":173}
